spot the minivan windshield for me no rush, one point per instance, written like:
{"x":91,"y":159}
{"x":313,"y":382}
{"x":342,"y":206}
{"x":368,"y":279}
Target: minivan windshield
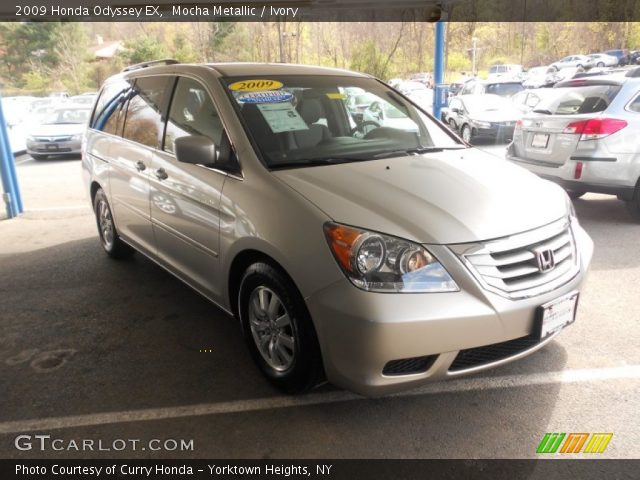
{"x":308,"y":120}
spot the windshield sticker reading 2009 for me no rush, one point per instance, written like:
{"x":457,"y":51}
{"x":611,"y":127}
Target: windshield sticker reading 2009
{"x":255,"y":85}
{"x":271,"y":96}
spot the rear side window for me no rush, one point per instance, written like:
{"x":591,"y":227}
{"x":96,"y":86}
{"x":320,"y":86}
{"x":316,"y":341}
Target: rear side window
{"x":580,"y":100}
{"x":143,"y":122}
{"x":192,"y":113}
{"x":634,"y":106}
{"x":109,"y":106}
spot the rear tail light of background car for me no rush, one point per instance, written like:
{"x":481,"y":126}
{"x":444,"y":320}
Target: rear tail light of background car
{"x":595,"y":128}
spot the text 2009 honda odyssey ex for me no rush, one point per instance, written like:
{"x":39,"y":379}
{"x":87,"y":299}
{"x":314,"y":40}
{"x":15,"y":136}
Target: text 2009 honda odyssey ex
{"x":380,"y":256}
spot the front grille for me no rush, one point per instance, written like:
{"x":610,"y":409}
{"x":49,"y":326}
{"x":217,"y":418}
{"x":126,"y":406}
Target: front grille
{"x":508,"y":266}
{"x":476,"y":357}
{"x":57,"y":150}
{"x":408,"y":366}
{"x":53,"y":139}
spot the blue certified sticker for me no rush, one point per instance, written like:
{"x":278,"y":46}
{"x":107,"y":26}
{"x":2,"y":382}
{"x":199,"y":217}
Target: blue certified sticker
{"x":267,"y":96}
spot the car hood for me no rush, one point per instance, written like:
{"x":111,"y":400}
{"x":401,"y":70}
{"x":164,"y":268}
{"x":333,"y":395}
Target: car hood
{"x":58,"y":129}
{"x":439,"y":198}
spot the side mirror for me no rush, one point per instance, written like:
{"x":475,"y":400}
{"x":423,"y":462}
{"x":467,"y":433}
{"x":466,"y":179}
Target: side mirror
{"x":196,"y":149}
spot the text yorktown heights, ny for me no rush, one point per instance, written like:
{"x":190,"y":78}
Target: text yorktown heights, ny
{"x":156,"y":11}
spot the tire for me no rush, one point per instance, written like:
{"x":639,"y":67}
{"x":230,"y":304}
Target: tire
{"x":600,"y":64}
{"x":573,"y":194}
{"x":633,"y":205}
{"x":37,"y":156}
{"x":467,"y":134}
{"x":271,"y":310}
{"x":452,"y":125}
{"x":109,"y":238}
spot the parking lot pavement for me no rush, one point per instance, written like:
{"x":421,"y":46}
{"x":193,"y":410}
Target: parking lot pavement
{"x":103,"y":350}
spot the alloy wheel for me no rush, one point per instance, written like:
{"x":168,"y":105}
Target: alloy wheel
{"x":271,"y":329}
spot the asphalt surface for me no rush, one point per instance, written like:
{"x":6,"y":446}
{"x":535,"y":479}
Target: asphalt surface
{"x":103,"y":350}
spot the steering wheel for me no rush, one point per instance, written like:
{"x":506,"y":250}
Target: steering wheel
{"x":360,"y":127}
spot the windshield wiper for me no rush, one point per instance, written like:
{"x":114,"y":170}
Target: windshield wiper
{"x":414,"y":151}
{"x":313,"y":162}
{"x":543,"y":111}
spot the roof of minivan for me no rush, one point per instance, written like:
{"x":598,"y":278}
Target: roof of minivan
{"x":240,"y":69}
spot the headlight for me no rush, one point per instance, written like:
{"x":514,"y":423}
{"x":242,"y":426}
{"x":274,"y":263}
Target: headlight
{"x":30,"y":138}
{"x":76,"y":138}
{"x":381,"y":263}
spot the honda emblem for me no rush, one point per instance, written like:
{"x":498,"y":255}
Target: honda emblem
{"x":545,"y":259}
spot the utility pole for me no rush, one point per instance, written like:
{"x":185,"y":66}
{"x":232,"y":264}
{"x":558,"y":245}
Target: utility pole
{"x":474,"y":47}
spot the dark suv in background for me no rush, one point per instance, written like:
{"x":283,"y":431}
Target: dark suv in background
{"x":622,"y":54}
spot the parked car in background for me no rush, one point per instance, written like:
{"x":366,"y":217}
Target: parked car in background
{"x":381,"y":262}
{"x":585,"y":138}
{"x":383,"y":114}
{"x":422,"y":98}
{"x":537,"y":77}
{"x":423,"y":77}
{"x":485,"y":115}
{"x":60,"y":133}
{"x":84,"y":99}
{"x":393,"y":83}
{"x":634,"y":57}
{"x":510,"y":71}
{"x":357,"y":103}
{"x":621,"y":54}
{"x":572,"y":61}
{"x":601,"y":60}
{"x":503,"y":88}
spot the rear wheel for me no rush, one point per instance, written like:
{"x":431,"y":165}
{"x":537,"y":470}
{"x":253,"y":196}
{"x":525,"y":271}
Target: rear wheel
{"x":278,"y":329}
{"x":466,"y":133}
{"x":633,"y":205}
{"x":109,"y":237}
{"x":575,"y":193}
{"x":600,"y":64}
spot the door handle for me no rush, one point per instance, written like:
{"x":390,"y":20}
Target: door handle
{"x":140,"y":166}
{"x":161,"y":174}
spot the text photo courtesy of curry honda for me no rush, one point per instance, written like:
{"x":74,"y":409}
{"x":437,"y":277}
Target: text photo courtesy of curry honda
{"x":305,"y":231}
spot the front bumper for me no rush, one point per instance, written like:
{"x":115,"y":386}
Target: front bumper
{"x":361,"y":332}
{"x":72,"y":147}
{"x":495,"y":131}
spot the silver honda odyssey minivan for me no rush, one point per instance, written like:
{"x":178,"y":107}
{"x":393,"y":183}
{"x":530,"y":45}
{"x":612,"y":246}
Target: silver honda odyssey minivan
{"x":378,"y":255}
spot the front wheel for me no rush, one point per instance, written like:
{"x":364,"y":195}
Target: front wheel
{"x":37,"y":156}
{"x":452,"y":125}
{"x":278,"y":329}
{"x":466,"y":134}
{"x":109,"y":238}
{"x":600,"y":64}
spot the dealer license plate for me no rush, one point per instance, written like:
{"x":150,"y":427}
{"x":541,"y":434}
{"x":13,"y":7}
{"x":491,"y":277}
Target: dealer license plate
{"x":540,"y":140}
{"x":557,"y":314}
